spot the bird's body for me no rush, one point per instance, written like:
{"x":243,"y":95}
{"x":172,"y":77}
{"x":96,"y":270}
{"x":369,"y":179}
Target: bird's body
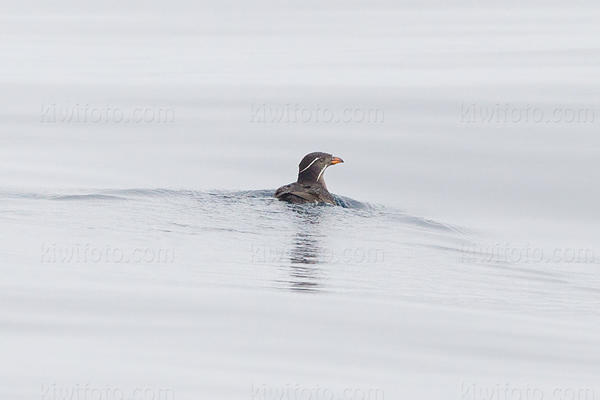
{"x":310,"y":186}
{"x":298,"y":193}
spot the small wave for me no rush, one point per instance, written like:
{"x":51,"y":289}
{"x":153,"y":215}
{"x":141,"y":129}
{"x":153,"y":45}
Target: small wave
{"x":139,"y":192}
{"x":76,"y":197}
{"x":427,"y":223}
{"x":342,"y":201}
{"x":54,"y":196}
{"x":359,"y":208}
{"x":347,"y":202}
{"x":28,"y":196}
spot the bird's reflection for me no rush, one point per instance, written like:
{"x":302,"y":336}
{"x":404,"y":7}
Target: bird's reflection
{"x":306,"y":251}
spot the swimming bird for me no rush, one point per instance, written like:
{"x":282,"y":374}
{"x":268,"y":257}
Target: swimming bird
{"x":310,"y":187}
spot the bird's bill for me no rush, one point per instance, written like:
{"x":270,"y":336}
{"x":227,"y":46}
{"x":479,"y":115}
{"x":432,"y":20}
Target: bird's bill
{"x":336,"y":160}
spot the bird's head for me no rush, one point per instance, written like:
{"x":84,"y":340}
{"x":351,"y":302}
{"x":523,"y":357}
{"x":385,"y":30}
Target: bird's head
{"x":313,"y":166}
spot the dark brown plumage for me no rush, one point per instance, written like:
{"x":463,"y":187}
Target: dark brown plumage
{"x":310,"y":187}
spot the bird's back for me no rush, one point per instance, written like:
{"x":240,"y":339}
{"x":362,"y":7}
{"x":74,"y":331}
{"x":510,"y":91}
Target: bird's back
{"x":298,"y":193}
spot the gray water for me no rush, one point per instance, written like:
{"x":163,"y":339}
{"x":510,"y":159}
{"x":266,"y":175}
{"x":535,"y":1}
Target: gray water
{"x":236,"y":294}
{"x":148,"y":259}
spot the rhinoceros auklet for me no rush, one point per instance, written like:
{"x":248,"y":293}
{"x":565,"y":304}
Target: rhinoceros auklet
{"x":310,"y":187}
